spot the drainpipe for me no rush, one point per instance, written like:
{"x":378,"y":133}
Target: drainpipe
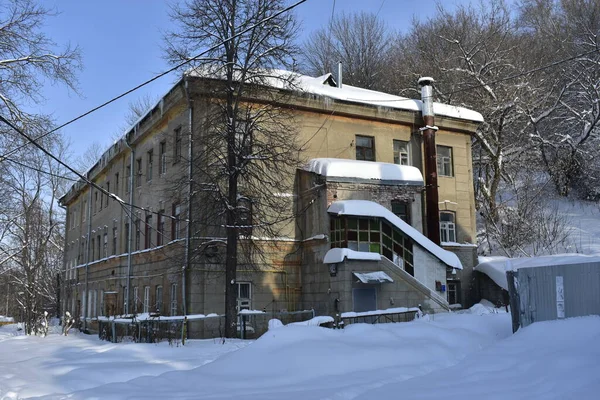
{"x":129,"y":256}
{"x":87,"y":256}
{"x":188,"y":230}
{"x":431,"y":182}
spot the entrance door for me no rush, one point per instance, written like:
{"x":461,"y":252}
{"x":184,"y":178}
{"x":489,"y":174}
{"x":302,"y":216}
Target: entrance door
{"x":453,"y":292}
{"x":364,"y":299}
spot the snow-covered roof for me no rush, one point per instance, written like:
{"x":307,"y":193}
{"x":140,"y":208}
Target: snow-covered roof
{"x":322,"y":85}
{"x":337,"y":255}
{"x":373,"y":277}
{"x":496,"y":267}
{"x":369,"y":170}
{"x":365,"y":208}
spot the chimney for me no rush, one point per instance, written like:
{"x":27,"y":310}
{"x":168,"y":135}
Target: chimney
{"x":431,"y":184}
{"x":339,"y":80}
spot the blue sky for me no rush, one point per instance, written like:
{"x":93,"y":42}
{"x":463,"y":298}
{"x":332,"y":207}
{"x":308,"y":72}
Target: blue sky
{"x":121,"y":46}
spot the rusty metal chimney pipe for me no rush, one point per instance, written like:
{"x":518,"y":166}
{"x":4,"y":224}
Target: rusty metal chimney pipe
{"x":431,"y":183}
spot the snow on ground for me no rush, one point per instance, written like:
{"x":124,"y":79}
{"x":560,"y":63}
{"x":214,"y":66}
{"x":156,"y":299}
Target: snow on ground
{"x":583,"y":220}
{"x":461,"y":354}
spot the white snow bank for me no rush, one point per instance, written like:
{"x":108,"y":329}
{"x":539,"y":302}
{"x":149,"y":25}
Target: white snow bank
{"x":394,"y":310}
{"x":486,"y":307}
{"x":496,"y":267}
{"x":296,"y":363}
{"x":547,"y":360}
{"x":316,"y":321}
{"x":365,"y":208}
{"x":337,"y":255}
{"x":6,"y":319}
{"x":370,"y":170}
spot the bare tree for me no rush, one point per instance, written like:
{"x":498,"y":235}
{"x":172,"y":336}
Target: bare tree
{"x":138,"y":108}
{"x":30,"y":227}
{"x":564,"y":122}
{"x":28,"y":58}
{"x":33,"y":232}
{"x":360,"y":41}
{"x":248,"y":150}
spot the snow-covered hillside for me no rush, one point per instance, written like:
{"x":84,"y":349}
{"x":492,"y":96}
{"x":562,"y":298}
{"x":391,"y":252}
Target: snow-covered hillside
{"x":467,"y":355}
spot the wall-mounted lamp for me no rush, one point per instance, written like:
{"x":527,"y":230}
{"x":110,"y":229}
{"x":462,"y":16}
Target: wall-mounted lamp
{"x":333,"y":269}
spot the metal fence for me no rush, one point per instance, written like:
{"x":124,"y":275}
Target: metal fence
{"x":177,"y":330}
{"x":553,"y":292}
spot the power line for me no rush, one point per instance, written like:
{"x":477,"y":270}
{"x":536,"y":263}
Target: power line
{"x":176,"y":67}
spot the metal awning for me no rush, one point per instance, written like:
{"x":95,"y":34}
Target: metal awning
{"x":373,"y":277}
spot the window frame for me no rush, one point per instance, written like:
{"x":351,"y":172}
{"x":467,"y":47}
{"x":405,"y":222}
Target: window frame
{"x":398,"y":158}
{"x":146,"y":304}
{"x":173,"y":305}
{"x":149,"y":164}
{"x":360,"y":150}
{"x":158,"y":298}
{"x":448,"y":228}
{"x":162,"y":158}
{"x":148,"y":232}
{"x":243,"y":303}
{"x":445,"y":163}
{"x":177,"y":148}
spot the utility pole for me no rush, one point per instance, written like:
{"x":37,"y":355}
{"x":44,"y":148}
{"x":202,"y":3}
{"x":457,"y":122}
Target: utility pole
{"x":431,"y":182}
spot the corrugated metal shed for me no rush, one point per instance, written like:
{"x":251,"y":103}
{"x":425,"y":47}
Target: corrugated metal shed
{"x":554,"y":292}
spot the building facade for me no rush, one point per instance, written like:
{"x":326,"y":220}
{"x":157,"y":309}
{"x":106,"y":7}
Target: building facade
{"x":129,"y":252}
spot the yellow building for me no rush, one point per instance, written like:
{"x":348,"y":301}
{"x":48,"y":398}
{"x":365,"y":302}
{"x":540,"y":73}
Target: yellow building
{"x":125,"y":259}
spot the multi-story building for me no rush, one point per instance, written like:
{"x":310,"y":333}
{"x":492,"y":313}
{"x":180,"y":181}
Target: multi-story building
{"x":133,"y":256}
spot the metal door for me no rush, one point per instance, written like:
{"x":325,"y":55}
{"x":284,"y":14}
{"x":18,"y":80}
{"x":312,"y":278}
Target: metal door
{"x":364,"y":299}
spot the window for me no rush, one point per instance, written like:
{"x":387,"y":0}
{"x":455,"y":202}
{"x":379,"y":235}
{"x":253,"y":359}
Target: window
{"x":136,"y":299}
{"x":149,"y":161}
{"x":174,"y":299}
{"x":243,"y":138}
{"x":95,"y":304}
{"x":99,"y":243}
{"x":84,"y":211}
{"x":373,"y":235}
{"x":126,"y":237}
{"x":365,"y":148}
{"x":95,"y":202}
{"x":444,"y":161}
{"x":93,"y":248}
{"x":90,"y":304}
{"x":447,"y":227}
{"x":146,"y":299}
{"x":176,"y":223}
{"x":160,"y":228}
{"x":101,"y":199}
{"x":105,"y":250}
{"x":114,"y":242}
{"x":245,"y":216}
{"x":244,"y":296}
{"x":117,"y":184}
{"x":148,"y":232}
{"x":401,"y":155}
{"x":108,"y":190}
{"x":177,"y":147}
{"x":162,"y":158}
{"x":402,"y":210}
{"x":101,"y":311}
{"x":159,"y":296}
{"x":137,"y":234}
{"x":127,"y":178}
{"x":138,"y":172}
